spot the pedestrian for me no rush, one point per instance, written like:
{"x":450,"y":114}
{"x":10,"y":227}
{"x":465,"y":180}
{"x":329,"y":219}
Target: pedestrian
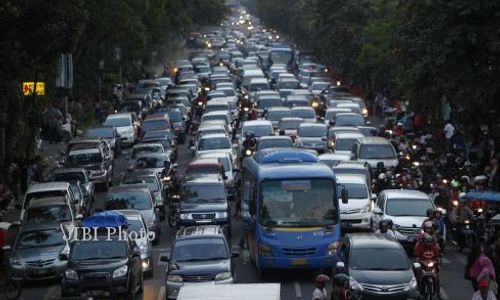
{"x":319,"y":292}
{"x":484,"y":293}
{"x":449,"y":131}
{"x":54,"y":120}
{"x":479,"y":266}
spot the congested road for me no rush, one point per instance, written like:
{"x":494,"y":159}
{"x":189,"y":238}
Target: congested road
{"x":294,"y":285}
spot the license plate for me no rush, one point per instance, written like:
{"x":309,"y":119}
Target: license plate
{"x":298,"y":262}
{"x":97,"y":293}
{"x":345,"y":224}
{"x":40,"y":272}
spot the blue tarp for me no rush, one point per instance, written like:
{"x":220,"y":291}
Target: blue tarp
{"x":485,"y":196}
{"x":106,"y":219}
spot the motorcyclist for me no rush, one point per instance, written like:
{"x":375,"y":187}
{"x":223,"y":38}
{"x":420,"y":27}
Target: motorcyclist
{"x":319,"y":292}
{"x":249,"y":143}
{"x":427,"y":250}
{"x":383,"y":229}
{"x":340,"y":287}
{"x":440,"y":225}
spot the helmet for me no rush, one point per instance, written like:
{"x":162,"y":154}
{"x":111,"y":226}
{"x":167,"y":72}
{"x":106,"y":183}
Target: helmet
{"x":428,"y":225}
{"x":429,"y":212}
{"x":427,"y":239}
{"x":390,"y":223}
{"x":465,"y":180}
{"x":382,"y":176}
{"x":455,"y":184}
{"x":341,"y":280}
{"x":481,"y":179}
{"x":249,"y":135}
{"x":383,"y":225}
{"x":321,"y":280}
{"x":399,"y":124}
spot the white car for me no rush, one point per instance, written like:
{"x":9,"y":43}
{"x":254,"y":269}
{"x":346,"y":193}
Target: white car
{"x":406,"y":208}
{"x":125,"y":126}
{"x":374,"y":150}
{"x":342,"y":142}
{"x":357,"y":213}
{"x":215,"y":142}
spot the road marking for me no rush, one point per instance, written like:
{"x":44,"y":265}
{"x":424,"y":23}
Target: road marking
{"x":51,"y":292}
{"x":161,"y":294}
{"x":444,"y":296}
{"x":445,"y":260}
{"x":159,"y":262}
{"x":298,"y":291}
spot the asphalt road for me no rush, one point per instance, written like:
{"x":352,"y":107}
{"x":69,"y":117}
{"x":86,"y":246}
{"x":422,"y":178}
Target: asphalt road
{"x":295,"y":285}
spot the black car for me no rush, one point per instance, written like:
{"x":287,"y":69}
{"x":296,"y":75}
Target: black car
{"x":378,"y":267}
{"x":200,"y":254}
{"x":204,"y":201}
{"x":107,"y":133}
{"x":105,"y":266}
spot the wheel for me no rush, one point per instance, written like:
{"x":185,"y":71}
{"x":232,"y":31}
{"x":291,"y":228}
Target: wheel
{"x":12,"y":289}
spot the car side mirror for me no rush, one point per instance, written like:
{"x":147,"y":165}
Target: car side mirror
{"x":368,"y":122}
{"x":378,"y":211}
{"x":79,"y":217}
{"x":345,"y":196}
{"x":374,"y":197}
{"x":63,"y":256}
{"x":417,"y":266}
{"x":252,"y":207}
{"x":164,"y":258}
{"x":324,"y":139}
{"x":6,"y":248}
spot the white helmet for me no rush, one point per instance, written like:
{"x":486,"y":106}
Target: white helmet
{"x":382,"y":176}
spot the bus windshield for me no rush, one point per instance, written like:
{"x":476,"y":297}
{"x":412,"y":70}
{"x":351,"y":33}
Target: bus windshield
{"x":308,"y":202}
{"x":281,"y":56}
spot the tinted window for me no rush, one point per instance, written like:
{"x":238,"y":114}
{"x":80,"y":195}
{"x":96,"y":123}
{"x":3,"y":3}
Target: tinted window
{"x":214,"y":143}
{"x":274,"y":143}
{"x":151,"y":182}
{"x":304,"y":113}
{"x":278,"y":115}
{"x":100,"y":132}
{"x":48,"y":214}
{"x":349,"y":120}
{"x":40,"y":238}
{"x":129,"y":200}
{"x":146,"y":149}
{"x":149,"y":162}
{"x":201,"y":193}
{"x":102,"y":249}
{"x":88,"y":158}
{"x":286,"y":125}
{"x":266,"y":103}
{"x":199,"y":249}
{"x":155,"y":125}
{"x":312,"y":131}
{"x":377,"y":151}
{"x":356,"y":191}
{"x":136,"y":226}
{"x":69,"y":176}
{"x":118,"y":122}
{"x":175,"y":116}
{"x":407,"y":207}
{"x":258,"y":130}
{"x":344,"y":144}
{"x":378,"y":259}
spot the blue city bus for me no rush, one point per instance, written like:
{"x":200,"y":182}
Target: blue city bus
{"x":282,"y":54}
{"x":290,"y":210}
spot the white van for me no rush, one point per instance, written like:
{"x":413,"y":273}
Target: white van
{"x":250,"y":74}
{"x":241,"y":291}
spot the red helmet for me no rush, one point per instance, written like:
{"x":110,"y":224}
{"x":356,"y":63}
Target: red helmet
{"x":321,"y":280}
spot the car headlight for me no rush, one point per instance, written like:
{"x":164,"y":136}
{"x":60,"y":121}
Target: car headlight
{"x":223,"y":276}
{"x":130,"y":130}
{"x":120,"y":272}
{"x":14,"y":261}
{"x":185,"y":216}
{"x":354,"y":284}
{"x":367,"y":208}
{"x":221,"y":215}
{"x":265,"y":250}
{"x":71,"y":274}
{"x":365,"y":111}
{"x":332,"y":248}
{"x":174,"y":278}
{"x":412,"y":284}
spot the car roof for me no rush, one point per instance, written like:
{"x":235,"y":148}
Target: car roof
{"x":203,"y":179}
{"x":215,"y":154}
{"x":204,"y":162}
{"x":352,"y":165}
{"x":292,"y":119}
{"x":348,"y":135}
{"x":47,"y":186}
{"x":214,"y":135}
{"x":275,"y":137}
{"x":278,"y":108}
{"x":199,"y":231}
{"x":328,"y":156}
{"x":373,"y":140}
{"x":257,"y":123}
{"x":130,"y":213}
{"x":50,"y":201}
{"x":119,"y":115}
{"x":371,"y":241}
{"x":351,"y":178}
{"x":69,"y":170}
{"x":405,"y":194}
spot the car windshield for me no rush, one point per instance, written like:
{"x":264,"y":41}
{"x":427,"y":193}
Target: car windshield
{"x":312,"y":131}
{"x":150,"y":181}
{"x":378,"y":259}
{"x":200,"y":193}
{"x":84,"y":158}
{"x":288,"y":85}
{"x":274,"y":143}
{"x":128,"y":200}
{"x":69,"y":177}
{"x":199,"y":249}
{"x":146,"y":149}
{"x":118,"y":122}
{"x":344,"y":144}
{"x":289,"y":125}
{"x":408,"y":207}
{"x":175,"y":116}
{"x":48,"y":214}
{"x":266,"y":103}
{"x":136,"y":226}
{"x":155,"y":125}
{"x":259,"y":86}
{"x":377,"y":151}
{"x":349,"y":120}
{"x":320,"y":86}
{"x":356,"y":190}
{"x":40,"y":238}
{"x":100,"y":133}
{"x":214,"y":118}
{"x":304,"y":113}
{"x":100,"y":249}
{"x":214,"y":143}
{"x":216,"y":107}
{"x":258,"y":130}
{"x":308,"y":202}
{"x":149,"y":162}
{"x":278,"y":115}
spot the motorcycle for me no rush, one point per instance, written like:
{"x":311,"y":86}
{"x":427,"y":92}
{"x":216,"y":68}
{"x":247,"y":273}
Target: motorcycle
{"x":429,"y":279}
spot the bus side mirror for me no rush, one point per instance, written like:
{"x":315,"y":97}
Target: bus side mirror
{"x":345,"y":196}
{"x":252,"y":208}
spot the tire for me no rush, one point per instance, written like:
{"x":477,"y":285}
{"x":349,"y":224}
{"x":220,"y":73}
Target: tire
{"x":12,"y":289}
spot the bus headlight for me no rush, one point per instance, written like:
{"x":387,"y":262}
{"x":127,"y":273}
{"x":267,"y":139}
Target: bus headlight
{"x":332,"y":248}
{"x":265,"y":250}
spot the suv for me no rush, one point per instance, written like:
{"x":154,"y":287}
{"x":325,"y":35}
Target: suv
{"x":374,"y":150}
{"x":406,"y":208}
{"x":93,"y":155}
{"x":204,"y":201}
{"x":127,"y":126}
{"x":104,"y":265}
{"x":199,"y":255}
{"x":378,"y":267}
{"x":107,"y":133}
